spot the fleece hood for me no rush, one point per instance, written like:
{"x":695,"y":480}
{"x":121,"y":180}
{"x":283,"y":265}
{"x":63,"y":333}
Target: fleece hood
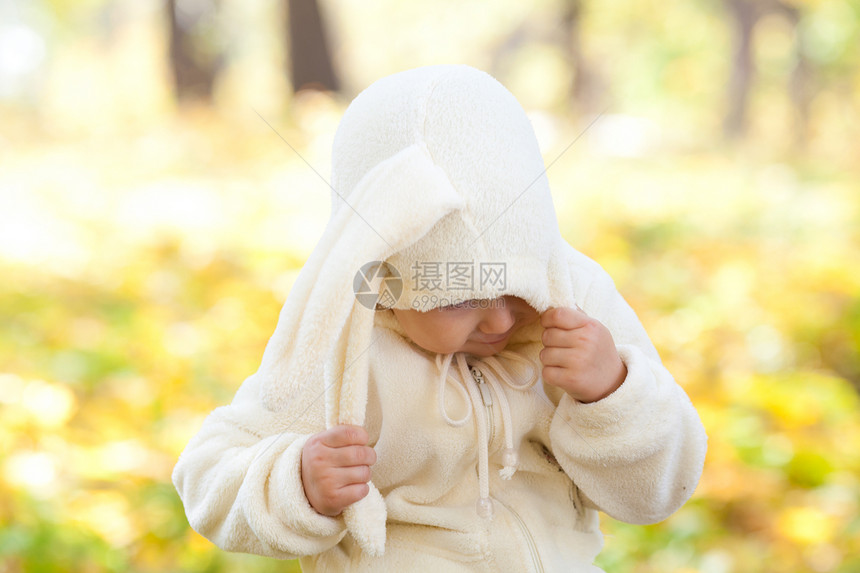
{"x":439,"y":195}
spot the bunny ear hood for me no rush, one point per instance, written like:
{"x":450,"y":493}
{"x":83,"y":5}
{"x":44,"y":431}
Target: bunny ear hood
{"x":477,"y":134}
{"x":437,"y":173}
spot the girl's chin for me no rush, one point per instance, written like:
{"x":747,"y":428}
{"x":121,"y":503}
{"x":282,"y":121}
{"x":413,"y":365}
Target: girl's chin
{"x":484,"y":348}
{"x":469,"y":346}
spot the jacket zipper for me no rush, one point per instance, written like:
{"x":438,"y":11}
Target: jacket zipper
{"x":487,"y":397}
{"x":530,"y":541}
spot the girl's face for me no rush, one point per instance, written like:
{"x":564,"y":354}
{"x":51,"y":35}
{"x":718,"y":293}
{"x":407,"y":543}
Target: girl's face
{"x":482,"y":328}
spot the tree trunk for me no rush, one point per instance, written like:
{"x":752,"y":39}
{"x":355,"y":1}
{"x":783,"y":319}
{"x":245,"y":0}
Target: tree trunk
{"x":744,"y":17}
{"x":801,"y":89}
{"x":582,"y":90}
{"x":193,"y":76}
{"x":310,"y":62}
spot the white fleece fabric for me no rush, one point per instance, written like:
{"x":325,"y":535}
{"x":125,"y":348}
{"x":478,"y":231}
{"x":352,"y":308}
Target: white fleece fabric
{"x":440,"y":165}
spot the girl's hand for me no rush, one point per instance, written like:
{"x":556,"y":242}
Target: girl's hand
{"x":579,"y":355}
{"x":336,"y":468}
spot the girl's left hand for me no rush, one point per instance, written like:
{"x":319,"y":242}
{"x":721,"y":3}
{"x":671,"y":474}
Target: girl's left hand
{"x":579,"y":355}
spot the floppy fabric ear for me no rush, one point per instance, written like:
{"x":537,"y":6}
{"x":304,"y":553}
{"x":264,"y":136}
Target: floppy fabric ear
{"x":323,"y":337}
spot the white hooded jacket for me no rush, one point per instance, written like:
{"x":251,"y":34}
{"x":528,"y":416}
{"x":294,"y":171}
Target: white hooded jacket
{"x":481,"y":466}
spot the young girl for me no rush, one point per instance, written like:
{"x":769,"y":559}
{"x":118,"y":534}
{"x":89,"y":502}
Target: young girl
{"x":474,"y":409}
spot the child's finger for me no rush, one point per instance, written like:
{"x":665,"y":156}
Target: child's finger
{"x":563,"y":317}
{"x":559,"y":337}
{"x":348,"y":456}
{"x":344,"y":435}
{"x":349,"y":494}
{"x":352,"y":475}
{"x":555,"y":357}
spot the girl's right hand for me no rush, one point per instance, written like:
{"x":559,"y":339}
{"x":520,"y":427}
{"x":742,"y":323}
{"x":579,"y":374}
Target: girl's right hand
{"x":336,"y":468}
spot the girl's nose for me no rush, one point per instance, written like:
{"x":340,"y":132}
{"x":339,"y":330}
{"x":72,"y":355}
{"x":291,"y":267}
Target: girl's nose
{"x":498,"y":318}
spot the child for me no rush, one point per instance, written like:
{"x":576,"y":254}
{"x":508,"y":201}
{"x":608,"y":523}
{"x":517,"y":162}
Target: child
{"x":472,"y":411}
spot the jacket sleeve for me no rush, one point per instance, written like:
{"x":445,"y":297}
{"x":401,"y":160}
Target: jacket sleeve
{"x":240,"y":479}
{"x":638,"y":453}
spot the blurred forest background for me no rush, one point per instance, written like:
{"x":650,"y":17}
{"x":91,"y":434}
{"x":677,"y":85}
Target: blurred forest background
{"x":152,"y":222}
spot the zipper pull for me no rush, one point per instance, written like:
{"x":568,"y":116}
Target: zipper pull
{"x":476,"y":374}
{"x":486,"y":395}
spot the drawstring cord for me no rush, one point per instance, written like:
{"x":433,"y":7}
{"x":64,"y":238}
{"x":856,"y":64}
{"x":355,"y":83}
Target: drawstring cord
{"x":469,"y":390}
{"x":443,"y":365}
